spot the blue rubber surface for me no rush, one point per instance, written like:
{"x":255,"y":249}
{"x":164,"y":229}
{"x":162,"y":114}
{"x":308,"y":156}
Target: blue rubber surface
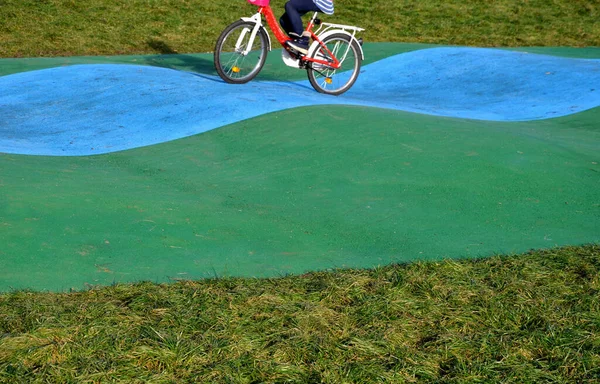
{"x":94,"y":109}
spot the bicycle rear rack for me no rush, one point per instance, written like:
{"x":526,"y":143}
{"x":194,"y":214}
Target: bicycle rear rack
{"x":324,"y":27}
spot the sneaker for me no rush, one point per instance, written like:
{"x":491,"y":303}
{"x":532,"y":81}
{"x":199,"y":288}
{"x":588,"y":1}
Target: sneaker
{"x":300,"y":45}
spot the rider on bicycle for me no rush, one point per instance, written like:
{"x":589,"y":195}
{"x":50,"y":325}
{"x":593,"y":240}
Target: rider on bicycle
{"x":291,"y":20}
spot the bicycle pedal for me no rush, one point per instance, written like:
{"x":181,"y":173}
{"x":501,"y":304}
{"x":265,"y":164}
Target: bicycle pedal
{"x":295,"y":54}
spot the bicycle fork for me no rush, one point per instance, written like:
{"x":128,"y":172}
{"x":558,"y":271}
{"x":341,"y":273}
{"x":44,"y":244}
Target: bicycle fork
{"x":256,"y":19}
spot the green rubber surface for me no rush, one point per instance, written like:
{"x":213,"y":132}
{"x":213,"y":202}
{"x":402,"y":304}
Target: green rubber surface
{"x":198,"y":62}
{"x":299,"y":190}
{"x":273,"y":69}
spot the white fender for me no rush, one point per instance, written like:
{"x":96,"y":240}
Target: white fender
{"x":330,"y":32}
{"x":256,"y":19}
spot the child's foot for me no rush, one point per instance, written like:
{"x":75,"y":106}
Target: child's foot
{"x":300,"y":44}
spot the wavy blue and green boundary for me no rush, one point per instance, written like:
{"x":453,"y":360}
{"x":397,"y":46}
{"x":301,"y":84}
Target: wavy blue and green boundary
{"x":502,"y":156}
{"x":100,"y":108}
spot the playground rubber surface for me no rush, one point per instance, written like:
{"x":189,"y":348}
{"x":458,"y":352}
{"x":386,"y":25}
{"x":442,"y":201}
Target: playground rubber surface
{"x":121,"y":169}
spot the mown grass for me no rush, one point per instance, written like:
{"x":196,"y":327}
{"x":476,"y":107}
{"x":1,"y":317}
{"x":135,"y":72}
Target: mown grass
{"x":32,"y":28}
{"x":531,"y":318}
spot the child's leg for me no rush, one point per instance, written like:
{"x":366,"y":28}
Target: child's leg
{"x":291,"y":21}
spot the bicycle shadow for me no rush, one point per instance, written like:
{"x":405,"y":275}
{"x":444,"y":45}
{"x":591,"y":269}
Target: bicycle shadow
{"x":202,"y":64}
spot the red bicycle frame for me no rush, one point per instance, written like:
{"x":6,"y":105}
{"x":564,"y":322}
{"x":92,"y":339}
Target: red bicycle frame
{"x":282,"y":37}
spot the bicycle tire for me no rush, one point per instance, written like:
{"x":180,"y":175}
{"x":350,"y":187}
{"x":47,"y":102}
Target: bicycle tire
{"x":332,"y":81}
{"x":231,"y":64}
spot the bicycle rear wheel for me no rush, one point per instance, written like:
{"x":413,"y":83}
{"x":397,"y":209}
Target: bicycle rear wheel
{"x":235,"y":60}
{"x":331,"y":81}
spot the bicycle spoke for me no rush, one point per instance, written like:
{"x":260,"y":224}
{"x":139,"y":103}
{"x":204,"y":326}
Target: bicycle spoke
{"x":239,"y":57}
{"x":340,"y":48}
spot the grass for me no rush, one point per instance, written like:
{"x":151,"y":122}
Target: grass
{"x":532,"y":318}
{"x":33,"y":28}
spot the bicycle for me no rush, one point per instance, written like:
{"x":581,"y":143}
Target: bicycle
{"x":333,"y":61}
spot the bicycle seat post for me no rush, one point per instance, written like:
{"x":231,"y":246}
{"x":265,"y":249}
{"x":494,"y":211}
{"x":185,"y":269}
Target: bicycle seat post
{"x":313,"y":21}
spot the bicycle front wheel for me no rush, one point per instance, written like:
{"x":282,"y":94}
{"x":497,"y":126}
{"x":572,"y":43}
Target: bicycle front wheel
{"x":331,"y":81}
{"x":238,"y":59}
